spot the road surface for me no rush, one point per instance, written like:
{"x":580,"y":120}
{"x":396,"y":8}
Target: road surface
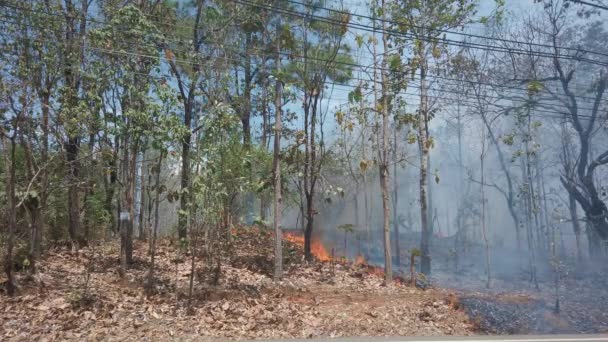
{"x":540,"y":338}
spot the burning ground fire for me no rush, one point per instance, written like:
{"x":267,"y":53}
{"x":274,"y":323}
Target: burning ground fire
{"x":319,"y":251}
{"x":316,"y":247}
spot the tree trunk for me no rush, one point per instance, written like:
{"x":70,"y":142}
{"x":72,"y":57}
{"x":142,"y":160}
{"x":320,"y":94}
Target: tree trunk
{"x":309,"y":225}
{"x":528,"y":213}
{"x":395,"y":203}
{"x":111,"y":185}
{"x":131,"y":201}
{"x":12,"y":216}
{"x":126,"y":213}
{"x":73,"y":59}
{"x":425,"y":258}
{"x":264,"y":145}
{"x":593,"y":240}
{"x":484,"y":228}
{"x":383,"y":161}
{"x":32,"y":204}
{"x":155,"y":230}
{"x":276,"y":166}
{"x":576,"y":227}
{"x":142,"y":199}
{"x":44,"y":178}
{"x":72,"y":148}
{"x":35,"y":236}
{"x":182,"y":222}
{"x":246,"y":103}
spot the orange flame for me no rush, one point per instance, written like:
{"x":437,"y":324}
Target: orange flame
{"x":316,"y":247}
{"x":318,"y":250}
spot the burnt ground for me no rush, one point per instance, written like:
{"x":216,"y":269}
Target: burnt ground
{"x":513,"y":305}
{"x":582,"y":309}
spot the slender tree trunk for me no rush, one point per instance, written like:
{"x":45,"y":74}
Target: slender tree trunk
{"x":276,"y":166}
{"x":36,"y":241}
{"x":555,"y":263}
{"x":12,"y":215}
{"x":529,"y":209}
{"x":540,"y":199}
{"x":32,"y":205}
{"x":184,"y":198}
{"x":484,"y":228}
{"x":36,"y":237}
{"x":126,"y":213}
{"x":576,"y":227}
{"x":459,"y":225}
{"x":131,"y":201}
{"x":366,"y":213}
{"x":73,"y":58}
{"x":425,"y":258}
{"x":264,"y":145}
{"x":430,"y":207}
{"x":149,"y":208}
{"x":383,"y":161}
{"x":192,"y":271}
{"x":396,"y":222}
{"x":155,"y":230}
{"x":246,"y":105}
{"x":309,"y":226}
{"x":72,"y":148}
{"x":111,"y":187}
{"x":142,"y":199}
{"x":544,"y":201}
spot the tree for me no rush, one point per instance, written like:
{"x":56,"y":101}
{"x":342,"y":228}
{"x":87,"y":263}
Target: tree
{"x":185,"y":59}
{"x":322,"y":56}
{"x":560,"y":33}
{"x":75,"y":31}
{"x":129,"y":30}
{"x":276,"y":162}
{"x":383,"y":158}
{"x":11,"y":133}
{"x":165,"y":128}
{"x":425,"y":21}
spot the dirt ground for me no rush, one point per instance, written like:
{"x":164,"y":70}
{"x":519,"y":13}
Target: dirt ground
{"x":79,"y":295}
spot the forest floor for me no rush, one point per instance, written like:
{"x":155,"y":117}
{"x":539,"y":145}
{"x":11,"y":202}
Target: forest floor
{"x":513,"y":304}
{"x":79,"y":295}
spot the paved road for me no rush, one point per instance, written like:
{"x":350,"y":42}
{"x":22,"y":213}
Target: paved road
{"x":543,"y":338}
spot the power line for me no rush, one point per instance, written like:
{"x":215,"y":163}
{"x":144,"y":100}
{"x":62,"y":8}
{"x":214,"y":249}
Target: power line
{"x":114,"y":52}
{"x":374,"y":67}
{"x":451,"y":42}
{"x":393,"y":32}
{"x":159,"y":58}
{"x":468,"y":35}
{"x":589,"y":4}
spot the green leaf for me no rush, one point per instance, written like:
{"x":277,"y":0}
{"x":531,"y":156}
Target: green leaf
{"x":355,"y":95}
{"x":359,"y":40}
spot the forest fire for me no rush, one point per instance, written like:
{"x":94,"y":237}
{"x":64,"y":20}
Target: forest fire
{"x":320,"y":253}
{"x":316,"y":248}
